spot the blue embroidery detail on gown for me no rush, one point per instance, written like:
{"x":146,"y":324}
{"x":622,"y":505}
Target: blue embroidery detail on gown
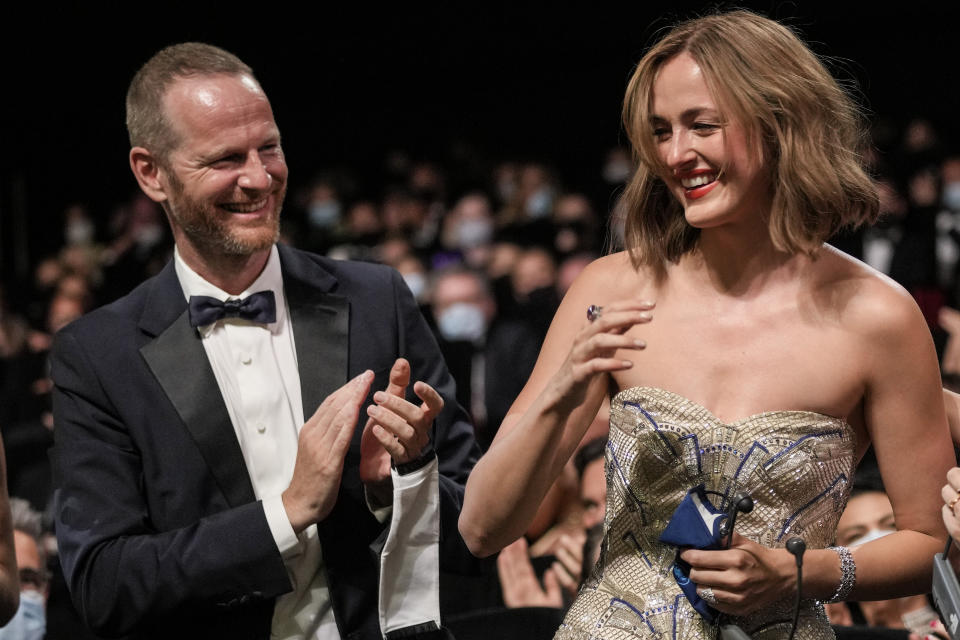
{"x":796,"y":465}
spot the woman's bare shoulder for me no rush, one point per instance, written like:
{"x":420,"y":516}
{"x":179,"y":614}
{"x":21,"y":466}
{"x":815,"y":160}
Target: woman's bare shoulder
{"x":612,"y":277}
{"x":864,"y":299}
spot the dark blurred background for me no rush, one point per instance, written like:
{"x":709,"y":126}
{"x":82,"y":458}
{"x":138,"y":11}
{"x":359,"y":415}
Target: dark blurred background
{"x":476,"y":148}
{"x":466,"y":84}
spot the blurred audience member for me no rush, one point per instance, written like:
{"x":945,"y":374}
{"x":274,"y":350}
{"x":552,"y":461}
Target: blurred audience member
{"x":78,"y":227}
{"x":139,"y":250}
{"x":869,"y":516}
{"x":533,"y":296}
{"x":575,"y":225}
{"x":414,"y":275}
{"x":363,"y":223}
{"x":468,"y":230}
{"x":570,"y":268}
{"x":489,"y":360}
{"x":572,"y":553}
{"x":30,"y":621}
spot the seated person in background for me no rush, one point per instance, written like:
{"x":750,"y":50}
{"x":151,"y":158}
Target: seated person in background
{"x":490,"y":357}
{"x":30,"y":621}
{"x":575,"y":551}
{"x":869,"y":516}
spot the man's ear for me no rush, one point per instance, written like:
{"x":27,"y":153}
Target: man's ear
{"x":147,"y":171}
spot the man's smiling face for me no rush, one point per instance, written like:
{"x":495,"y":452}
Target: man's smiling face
{"x":226,"y":178}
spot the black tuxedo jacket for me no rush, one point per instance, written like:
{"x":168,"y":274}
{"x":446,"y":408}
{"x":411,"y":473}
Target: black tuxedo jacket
{"x":159,"y":531}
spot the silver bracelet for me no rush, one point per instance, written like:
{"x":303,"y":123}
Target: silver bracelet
{"x":848,"y":574}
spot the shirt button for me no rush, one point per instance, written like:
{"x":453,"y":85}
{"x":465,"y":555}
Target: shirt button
{"x":246,"y":358}
{"x":261,"y":428}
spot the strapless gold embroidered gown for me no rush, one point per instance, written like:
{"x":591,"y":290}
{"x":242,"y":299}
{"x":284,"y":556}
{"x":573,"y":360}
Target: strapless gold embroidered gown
{"x":796,"y":465}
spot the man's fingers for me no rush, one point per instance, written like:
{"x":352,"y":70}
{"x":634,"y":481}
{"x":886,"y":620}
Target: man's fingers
{"x":430,"y":397}
{"x":390,"y":421}
{"x":399,"y":378}
{"x":333,"y":402}
{"x":390,"y":442}
{"x":420,"y":416}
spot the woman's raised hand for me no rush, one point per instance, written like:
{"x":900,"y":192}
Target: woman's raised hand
{"x":594,"y":349}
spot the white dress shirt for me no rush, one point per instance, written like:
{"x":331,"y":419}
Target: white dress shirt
{"x":255,"y":367}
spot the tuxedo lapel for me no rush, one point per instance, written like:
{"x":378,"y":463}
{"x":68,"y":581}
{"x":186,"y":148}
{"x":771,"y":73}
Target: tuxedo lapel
{"x":178,"y":360}
{"x":321,"y":328}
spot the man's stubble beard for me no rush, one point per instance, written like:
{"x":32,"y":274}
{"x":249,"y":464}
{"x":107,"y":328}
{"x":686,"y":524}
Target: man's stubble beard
{"x":207,"y":230}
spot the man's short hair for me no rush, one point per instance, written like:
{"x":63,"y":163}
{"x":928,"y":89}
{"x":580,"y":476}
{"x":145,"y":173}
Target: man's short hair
{"x":147,"y":124}
{"x":25,"y":518}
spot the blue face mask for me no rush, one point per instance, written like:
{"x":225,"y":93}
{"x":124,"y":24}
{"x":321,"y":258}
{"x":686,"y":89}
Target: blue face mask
{"x":30,"y":621}
{"x":324,"y":214}
{"x":540,"y":203}
{"x":951,"y":196}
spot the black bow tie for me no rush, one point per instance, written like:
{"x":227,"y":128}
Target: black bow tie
{"x":257,"y":307}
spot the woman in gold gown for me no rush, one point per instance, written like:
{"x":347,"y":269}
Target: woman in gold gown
{"x":731,"y":348}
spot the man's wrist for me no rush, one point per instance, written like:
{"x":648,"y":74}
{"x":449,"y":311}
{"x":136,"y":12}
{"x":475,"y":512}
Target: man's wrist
{"x":425,"y":457}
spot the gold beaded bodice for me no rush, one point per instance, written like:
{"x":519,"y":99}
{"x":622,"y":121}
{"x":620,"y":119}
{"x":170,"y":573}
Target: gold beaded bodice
{"x":796,"y":465}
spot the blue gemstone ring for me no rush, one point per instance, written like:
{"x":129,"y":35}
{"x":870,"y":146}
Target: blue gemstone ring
{"x":594,"y":311}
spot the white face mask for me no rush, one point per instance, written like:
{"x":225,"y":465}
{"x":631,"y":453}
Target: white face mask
{"x":474,"y":233}
{"x":951,"y":196}
{"x":30,"y":621}
{"x":870,"y":536}
{"x":416,"y":283}
{"x":148,"y":235}
{"x":462,"y":322}
{"x":79,"y":232}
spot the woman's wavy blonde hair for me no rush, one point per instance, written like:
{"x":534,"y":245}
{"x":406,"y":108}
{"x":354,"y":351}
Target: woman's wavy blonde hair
{"x":810,"y":134}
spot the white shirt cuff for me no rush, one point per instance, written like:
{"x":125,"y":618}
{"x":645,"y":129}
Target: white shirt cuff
{"x":410,"y":560}
{"x":280,"y":526}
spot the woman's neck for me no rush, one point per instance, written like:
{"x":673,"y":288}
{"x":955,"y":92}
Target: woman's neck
{"x":739,"y":262}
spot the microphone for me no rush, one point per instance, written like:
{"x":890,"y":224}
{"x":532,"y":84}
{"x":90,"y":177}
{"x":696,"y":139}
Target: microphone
{"x":797,"y":547}
{"x":741,"y":503}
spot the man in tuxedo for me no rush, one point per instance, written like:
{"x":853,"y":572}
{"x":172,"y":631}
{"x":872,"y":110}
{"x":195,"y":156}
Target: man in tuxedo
{"x":211,"y":479}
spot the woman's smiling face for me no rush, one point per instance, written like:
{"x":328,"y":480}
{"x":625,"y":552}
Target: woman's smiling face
{"x":709,"y":165}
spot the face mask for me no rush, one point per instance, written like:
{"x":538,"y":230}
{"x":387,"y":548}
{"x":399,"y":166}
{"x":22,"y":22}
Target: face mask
{"x":148,"y":235}
{"x":416,"y":283}
{"x":79,"y":232}
{"x":324,"y":214}
{"x":870,"y":536}
{"x":540,"y":203}
{"x":474,"y":233}
{"x":462,"y":322}
{"x":30,"y":621}
{"x":616,"y":172}
{"x":951,"y":196}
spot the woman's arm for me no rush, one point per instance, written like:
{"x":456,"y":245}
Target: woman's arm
{"x":903,"y":411}
{"x":551,"y":414}
{"x":951,"y":404}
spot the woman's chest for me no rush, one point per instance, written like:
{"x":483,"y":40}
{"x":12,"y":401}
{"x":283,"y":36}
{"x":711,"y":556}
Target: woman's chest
{"x":738,"y":362}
